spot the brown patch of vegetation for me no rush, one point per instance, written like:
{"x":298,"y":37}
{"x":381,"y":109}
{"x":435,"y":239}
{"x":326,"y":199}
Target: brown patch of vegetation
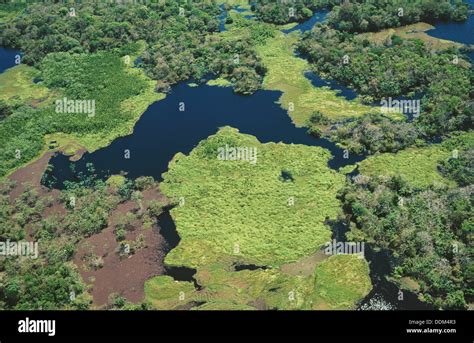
{"x":100,"y":258}
{"x":414,"y":31}
{"x":104,"y":263}
{"x":31,"y":174}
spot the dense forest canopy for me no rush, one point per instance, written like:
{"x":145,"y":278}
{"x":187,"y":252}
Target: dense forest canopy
{"x":430,"y":234}
{"x":362,"y":15}
{"x":282,"y":12}
{"x":374,"y":15}
{"x":399,"y":67}
{"x":178,"y":34}
{"x":96,"y":26}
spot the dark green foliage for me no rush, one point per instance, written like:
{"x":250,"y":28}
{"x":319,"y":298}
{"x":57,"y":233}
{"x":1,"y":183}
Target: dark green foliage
{"x":8,"y":230}
{"x":460,"y":168}
{"x":316,"y":120}
{"x":449,"y":98}
{"x":282,"y":12}
{"x":247,"y":80}
{"x":363,"y":16}
{"x":5,"y":110}
{"x":429,"y":234}
{"x":380,"y":71}
{"x":82,"y":180}
{"x":125,"y":191}
{"x":375,"y":133}
{"x":103,"y":26}
{"x":40,"y":287}
{"x":233,"y":60}
{"x":177,"y":34}
{"x":404,"y":68}
{"x":90,"y":213}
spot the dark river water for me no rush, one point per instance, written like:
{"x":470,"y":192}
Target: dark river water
{"x":318,"y":81}
{"x":318,"y":17}
{"x":385,"y":295}
{"x":457,"y":32}
{"x":7,"y":58}
{"x":163,"y":130}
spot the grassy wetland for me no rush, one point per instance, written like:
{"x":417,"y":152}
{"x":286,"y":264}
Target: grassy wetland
{"x":279,"y":221}
{"x":258,"y":190}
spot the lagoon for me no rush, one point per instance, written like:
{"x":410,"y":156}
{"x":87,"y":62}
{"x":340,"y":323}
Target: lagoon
{"x":164,"y":130}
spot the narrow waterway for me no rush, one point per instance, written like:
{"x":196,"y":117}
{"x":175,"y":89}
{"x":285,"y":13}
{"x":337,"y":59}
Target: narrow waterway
{"x":318,"y":17}
{"x":343,"y":91}
{"x":169,"y":233}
